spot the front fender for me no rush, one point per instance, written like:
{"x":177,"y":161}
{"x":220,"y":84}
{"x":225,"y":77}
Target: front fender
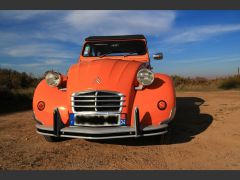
{"x":53,"y":98}
{"x":147,"y":99}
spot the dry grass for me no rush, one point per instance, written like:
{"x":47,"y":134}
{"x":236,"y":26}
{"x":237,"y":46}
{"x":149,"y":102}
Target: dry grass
{"x":204,"y":84}
{"x":232,"y":82}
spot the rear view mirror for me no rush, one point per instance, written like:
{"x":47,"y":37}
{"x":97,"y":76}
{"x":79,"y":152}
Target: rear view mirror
{"x":158,"y":56}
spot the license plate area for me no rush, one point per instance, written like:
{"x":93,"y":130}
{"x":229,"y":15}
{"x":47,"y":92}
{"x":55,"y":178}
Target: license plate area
{"x":97,"y":120}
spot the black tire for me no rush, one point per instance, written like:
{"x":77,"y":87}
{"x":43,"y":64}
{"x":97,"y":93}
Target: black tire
{"x":52,"y":138}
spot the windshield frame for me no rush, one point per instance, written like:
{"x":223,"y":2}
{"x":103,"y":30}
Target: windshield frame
{"x":112,"y":40}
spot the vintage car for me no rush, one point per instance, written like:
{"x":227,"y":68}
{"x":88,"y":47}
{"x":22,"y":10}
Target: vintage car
{"x":111,"y":92}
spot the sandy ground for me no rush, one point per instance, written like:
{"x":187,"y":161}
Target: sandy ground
{"x":204,"y":135}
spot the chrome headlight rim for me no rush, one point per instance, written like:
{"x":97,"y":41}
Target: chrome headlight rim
{"x":145,"y":77}
{"x":53,"y":79}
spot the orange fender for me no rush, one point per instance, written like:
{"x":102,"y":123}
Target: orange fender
{"x":53,"y":98}
{"x":147,"y":100}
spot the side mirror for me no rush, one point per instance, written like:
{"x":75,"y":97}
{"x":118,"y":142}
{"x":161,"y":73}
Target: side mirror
{"x":158,"y":56}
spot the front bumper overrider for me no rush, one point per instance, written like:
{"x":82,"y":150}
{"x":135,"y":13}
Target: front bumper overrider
{"x":58,"y":129}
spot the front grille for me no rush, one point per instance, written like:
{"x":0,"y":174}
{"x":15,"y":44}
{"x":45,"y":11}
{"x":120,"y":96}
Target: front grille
{"x":97,"y":101}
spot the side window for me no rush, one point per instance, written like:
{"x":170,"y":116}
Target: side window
{"x":87,"y":50}
{"x":93,"y":52}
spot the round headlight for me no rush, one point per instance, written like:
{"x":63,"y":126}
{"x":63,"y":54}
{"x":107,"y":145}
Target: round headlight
{"x":145,"y":77}
{"x":53,"y":78}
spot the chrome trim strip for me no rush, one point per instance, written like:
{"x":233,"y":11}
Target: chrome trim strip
{"x":46,"y":134}
{"x":98,"y":96}
{"x":154,"y":134}
{"x":88,"y":91}
{"x":114,"y":137}
{"x":83,"y":137}
{"x":103,"y":130}
{"x":107,"y":130}
{"x":99,"y":100}
{"x":97,"y":112}
{"x":171,"y":116}
{"x":172,"y":113}
{"x":44,"y":127}
{"x":99,"y":106}
{"x":139,"y":87}
{"x":63,"y":89}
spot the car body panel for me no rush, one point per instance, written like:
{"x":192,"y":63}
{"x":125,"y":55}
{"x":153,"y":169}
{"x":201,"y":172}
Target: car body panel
{"x":113,"y":74}
{"x":147,"y":100}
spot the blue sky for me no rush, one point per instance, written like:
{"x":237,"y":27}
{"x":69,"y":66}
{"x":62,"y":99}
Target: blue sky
{"x":194,"y":43}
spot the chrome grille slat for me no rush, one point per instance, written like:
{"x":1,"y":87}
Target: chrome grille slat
{"x":94,"y":96}
{"x":97,"y":101}
{"x":97,"y":106}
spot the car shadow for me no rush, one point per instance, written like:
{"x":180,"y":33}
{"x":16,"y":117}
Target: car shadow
{"x":188,"y":122}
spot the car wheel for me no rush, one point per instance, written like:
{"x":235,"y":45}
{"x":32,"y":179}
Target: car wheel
{"x":52,"y":138}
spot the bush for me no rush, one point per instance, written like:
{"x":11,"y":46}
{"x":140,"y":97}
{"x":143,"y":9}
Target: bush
{"x":232,"y":82}
{"x":12,"y":101}
{"x":182,"y":81}
{"x":177,"y":80}
{"x":12,"y":79}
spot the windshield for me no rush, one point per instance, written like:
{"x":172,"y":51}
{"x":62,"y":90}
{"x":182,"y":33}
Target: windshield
{"x":114,"y":48}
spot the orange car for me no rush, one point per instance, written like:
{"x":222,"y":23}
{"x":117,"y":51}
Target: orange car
{"x":111,"y":92}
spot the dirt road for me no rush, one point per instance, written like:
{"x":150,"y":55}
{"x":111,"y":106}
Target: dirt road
{"x":204,"y":135}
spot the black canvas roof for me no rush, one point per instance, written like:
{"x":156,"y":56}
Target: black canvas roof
{"x":120,"y":37}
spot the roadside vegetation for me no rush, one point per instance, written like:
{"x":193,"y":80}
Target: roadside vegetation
{"x":16,"y":88}
{"x":232,"y":82}
{"x":204,"y":84}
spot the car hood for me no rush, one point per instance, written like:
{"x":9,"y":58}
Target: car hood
{"x":105,"y":74}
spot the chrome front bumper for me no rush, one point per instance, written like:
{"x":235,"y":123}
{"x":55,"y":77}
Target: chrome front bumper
{"x":58,"y":130}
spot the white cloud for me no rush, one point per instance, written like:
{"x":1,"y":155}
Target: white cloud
{"x":208,"y":60}
{"x":37,"y":50}
{"x":74,"y":26}
{"x":54,"y":62}
{"x":23,"y":15}
{"x":202,"y":33}
{"x":49,"y":39}
{"x":38,"y":67}
{"x":39,"y":63}
{"x":121,"y":22}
